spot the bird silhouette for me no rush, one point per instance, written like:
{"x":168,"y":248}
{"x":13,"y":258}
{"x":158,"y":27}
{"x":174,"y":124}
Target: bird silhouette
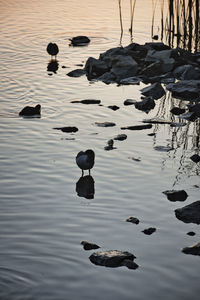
{"x":80,"y":40}
{"x":85,"y":160}
{"x":52,"y":49}
{"x":29,"y":111}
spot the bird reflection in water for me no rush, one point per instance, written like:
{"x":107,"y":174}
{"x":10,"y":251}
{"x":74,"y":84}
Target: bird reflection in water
{"x":52,"y":66}
{"x":85,"y":187}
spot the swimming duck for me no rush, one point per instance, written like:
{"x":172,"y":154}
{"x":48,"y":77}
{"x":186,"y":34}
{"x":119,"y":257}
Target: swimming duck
{"x":52,"y":49}
{"x":28,"y":111}
{"x":80,"y":40}
{"x":85,"y":160}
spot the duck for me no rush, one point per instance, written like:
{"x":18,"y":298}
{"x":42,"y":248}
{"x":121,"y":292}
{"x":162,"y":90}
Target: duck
{"x":80,"y":40}
{"x":52,"y":49}
{"x":85,"y":160}
{"x":29,"y":111}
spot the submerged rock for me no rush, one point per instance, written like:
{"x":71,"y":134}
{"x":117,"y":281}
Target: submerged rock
{"x":194,"y":249}
{"x":157,"y":121}
{"x":138,"y":127}
{"x":67,"y":129}
{"x":174,"y":195}
{"x":129,"y":102}
{"x":191,"y":233}
{"x":120,"y":137}
{"x":89,"y":246}
{"x":163,"y":148}
{"x":195,"y":158}
{"x":114,"y":259}
{"x":146,"y":104}
{"x":189,"y":213}
{"x":133,"y":220}
{"x":113,"y":107}
{"x":105,"y":124}
{"x":155,"y":91}
{"x":76,"y":73}
{"x":149,"y":230}
{"x":110,"y":145}
{"x":87,"y":101}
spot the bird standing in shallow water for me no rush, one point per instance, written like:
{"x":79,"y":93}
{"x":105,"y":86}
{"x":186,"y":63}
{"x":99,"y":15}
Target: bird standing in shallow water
{"x":85,"y":160}
{"x":52,"y":49}
{"x":29,"y":111}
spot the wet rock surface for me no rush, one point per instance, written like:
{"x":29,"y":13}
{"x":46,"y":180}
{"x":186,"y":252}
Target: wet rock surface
{"x":155,"y":91}
{"x":149,"y":230}
{"x":145,"y":104}
{"x":67,"y":129}
{"x":76,"y":73}
{"x":133,"y":220}
{"x":129,"y":102}
{"x":194,"y":249}
{"x":189,"y":213}
{"x":195,"y":158}
{"x":176,"y":195}
{"x":114,"y":259}
{"x":191,"y":233}
{"x":113,"y":107}
{"x":120,"y":137}
{"x":89,"y":246}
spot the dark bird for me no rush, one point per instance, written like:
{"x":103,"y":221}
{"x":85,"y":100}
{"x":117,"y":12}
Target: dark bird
{"x":52,"y":49}
{"x":85,"y":160}
{"x":29,"y":111}
{"x":80,"y":40}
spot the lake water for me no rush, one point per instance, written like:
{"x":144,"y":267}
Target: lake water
{"x":42,"y":219}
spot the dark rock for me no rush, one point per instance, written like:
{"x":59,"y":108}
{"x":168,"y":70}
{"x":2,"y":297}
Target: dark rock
{"x":76,"y":73}
{"x":85,"y":187}
{"x":154,"y":69}
{"x":130,"y":80}
{"x":174,"y":195}
{"x":185,"y":89}
{"x":29,"y":111}
{"x":133,"y":220}
{"x":107,"y":78}
{"x":177,"y":111}
{"x":120,"y":137}
{"x":80,"y":40}
{"x":195,"y":108}
{"x":163,"y":148}
{"x":95,"y":68}
{"x":137,"y":127}
{"x":87,"y":101}
{"x":110,"y":145}
{"x":187,"y":72}
{"x":149,"y":230}
{"x":123,"y":67}
{"x":146,"y":104}
{"x":151,"y":134}
{"x":112,"y":258}
{"x":156,"y":121}
{"x":194,"y":249}
{"x":174,"y":124}
{"x":89,"y":246}
{"x":155,"y":91}
{"x":129,"y":102}
{"x":135,"y":158}
{"x":67,"y":129}
{"x":155,"y":37}
{"x":191,"y":233}
{"x":105,"y":124}
{"x":158,"y":46}
{"x":190,"y":116}
{"x":189,"y":213}
{"x":113,"y":107}
{"x":195,"y":158}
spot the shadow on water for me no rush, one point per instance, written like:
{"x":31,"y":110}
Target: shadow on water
{"x":52,"y":66}
{"x":85,"y":187}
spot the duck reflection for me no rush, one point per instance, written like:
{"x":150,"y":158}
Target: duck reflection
{"x":52,"y":66}
{"x":85,"y":187}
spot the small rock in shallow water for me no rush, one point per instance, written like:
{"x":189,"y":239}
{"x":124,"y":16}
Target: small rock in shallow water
{"x":163,"y":148}
{"x":177,"y":111}
{"x":105,"y":124}
{"x":113,"y":107}
{"x":195,"y":158}
{"x":189,"y":213}
{"x":89,"y":246}
{"x":110,"y":145}
{"x":113,"y":259}
{"x":87,"y":101}
{"x":149,"y":230}
{"x":135,"y":158}
{"x":194,"y":249}
{"x":174,"y":195}
{"x":120,"y":137}
{"x":129,"y":102}
{"x":80,"y":40}
{"x":67,"y":129}
{"x":155,"y":91}
{"x":133,"y":220}
{"x":137,"y":127}
{"x":191,"y":233}
{"x":76,"y":73}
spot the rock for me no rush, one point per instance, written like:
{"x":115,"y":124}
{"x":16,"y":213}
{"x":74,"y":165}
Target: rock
{"x":158,"y":46}
{"x":80,"y":40}
{"x":185,"y":89}
{"x":191,"y":233}
{"x":76,"y":73}
{"x":156,"y":121}
{"x":130,"y":80}
{"x":89,"y":246}
{"x":155,"y":91}
{"x":85,"y":187}
{"x":174,"y":195}
{"x":195,"y":158}
{"x":135,"y":158}
{"x":129,"y":264}
{"x":110,"y":145}
{"x":120,"y":137}
{"x":189,"y":213}
{"x":87,"y":101}
{"x":146,"y":104}
{"x":190,"y":116}
{"x":113,"y":107}
{"x":129,"y":102}
{"x":187,"y":72}
{"x":195,"y":108}
{"x":194,"y":249}
{"x":137,"y":127}
{"x":167,"y":63}
{"x":151,"y":134}
{"x":29,"y":111}
{"x":107,"y":78}
{"x":163,"y":148}
{"x":123,"y":67}
{"x":152,"y":70}
{"x":105,"y":124}
{"x":149,"y":230}
{"x":95,"y":68}
{"x":112,"y":258}
{"x":133,"y":220}
{"x":155,"y":37}
{"x":67,"y":129}
{"x":177,"y":111}
{"x":174,"y":124}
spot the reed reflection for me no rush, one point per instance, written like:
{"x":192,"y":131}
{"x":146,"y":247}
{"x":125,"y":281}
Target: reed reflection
{"x":85,"y":187}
